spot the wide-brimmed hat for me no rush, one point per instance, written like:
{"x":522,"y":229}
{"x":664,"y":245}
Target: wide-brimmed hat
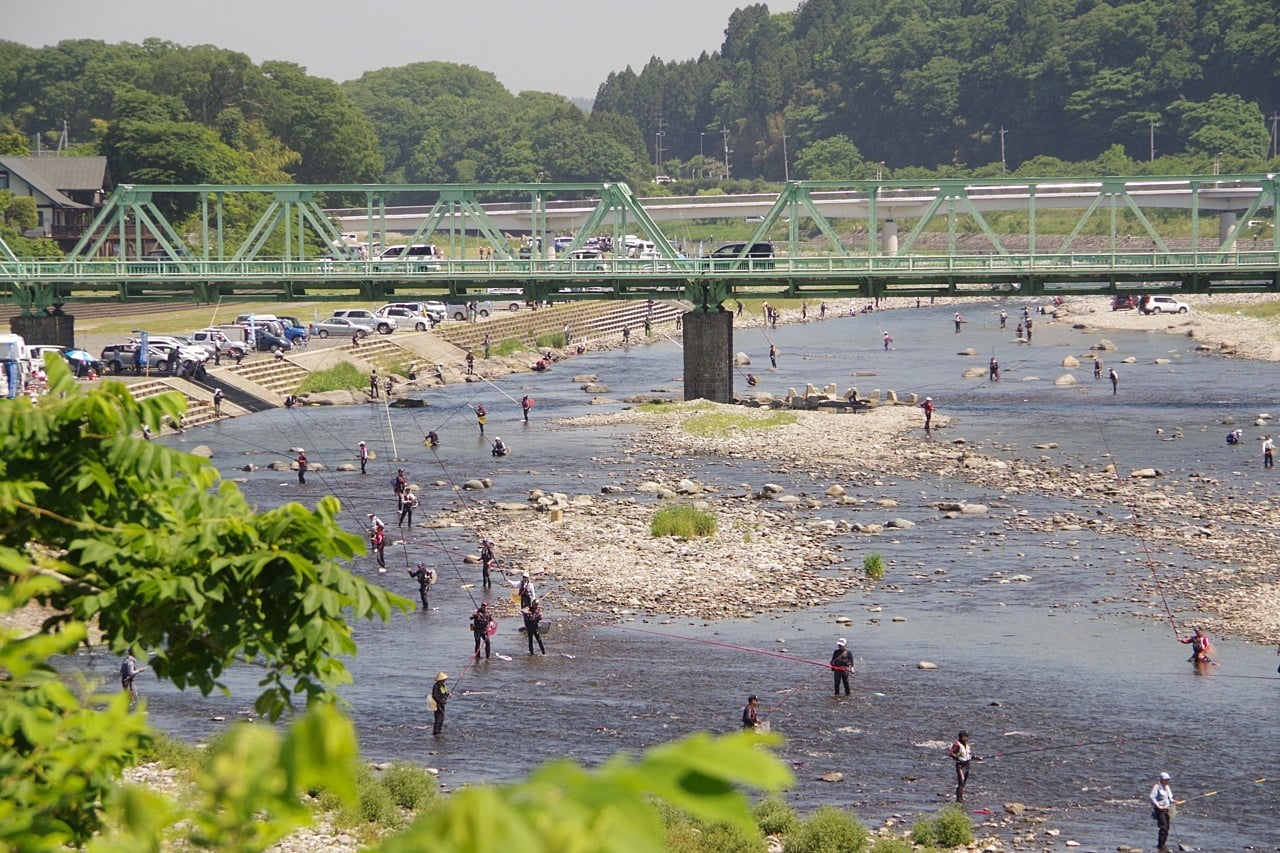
{"x":441,"y":676}
{"x":842,"y":642}
{"x":1165,"y":777}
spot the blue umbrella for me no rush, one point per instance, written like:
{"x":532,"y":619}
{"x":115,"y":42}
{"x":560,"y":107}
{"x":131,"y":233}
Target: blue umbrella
{"x":78,"y":355}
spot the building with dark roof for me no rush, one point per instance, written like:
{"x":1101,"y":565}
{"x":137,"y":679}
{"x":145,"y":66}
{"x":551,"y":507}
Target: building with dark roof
{"x":68,"y":192}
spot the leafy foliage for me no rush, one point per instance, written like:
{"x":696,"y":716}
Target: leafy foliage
{"x":774,"y":817}
{"x":563,"y":806}
{"x":951,"y":827}
{"x":151,"y":547}
{"x":828,"y":830}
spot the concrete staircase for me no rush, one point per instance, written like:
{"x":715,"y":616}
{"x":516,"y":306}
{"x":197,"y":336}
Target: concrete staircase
{"x":588,"y":321}
{"x":279,"y":376}
{"x":385,"y":354}
{"x":199,"y":400}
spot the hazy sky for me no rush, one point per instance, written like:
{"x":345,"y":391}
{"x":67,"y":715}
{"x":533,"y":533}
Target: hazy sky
{"x":565,"y":46}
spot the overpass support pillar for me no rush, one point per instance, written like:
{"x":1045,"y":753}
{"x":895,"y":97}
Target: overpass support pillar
{"x":889,"y":241}
{"x":1226,"y":222}
{"x":708,"y":356}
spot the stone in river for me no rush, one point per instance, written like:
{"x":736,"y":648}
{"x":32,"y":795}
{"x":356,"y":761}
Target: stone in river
{"x":925,"y":664}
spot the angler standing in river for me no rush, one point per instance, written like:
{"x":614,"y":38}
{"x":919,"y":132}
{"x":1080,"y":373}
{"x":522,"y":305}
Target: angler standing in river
{"x":962,"y":755}
{"x":487,"y":560}
{"x":1161,"y":797}
{"x":425,"y":577}
{"x":842,"y":665}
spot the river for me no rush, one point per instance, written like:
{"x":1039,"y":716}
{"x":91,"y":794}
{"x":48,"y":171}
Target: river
{"x":1069,"y":681}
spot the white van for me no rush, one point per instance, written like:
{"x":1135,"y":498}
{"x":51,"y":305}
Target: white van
{"x":420,"y":256}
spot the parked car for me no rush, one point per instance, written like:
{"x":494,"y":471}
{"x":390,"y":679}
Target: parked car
{"x":1123,"y":302}
{"x":406,"y":319}
{"x":363,"y":317}
{"x":432,"y":311}
{"x":266,"y":340}
{"x":758,"y":256}
{"x":1160,"y":304}
{"x":119,"y":358}
{"x":459,"y":311}
{"x":342,"y":326}
{"x":216,"y":339}
{"x":294,"y":329}
{"x":419,"y":257}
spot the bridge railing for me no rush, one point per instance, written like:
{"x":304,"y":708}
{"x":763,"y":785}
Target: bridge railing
{"x":321,"y":270}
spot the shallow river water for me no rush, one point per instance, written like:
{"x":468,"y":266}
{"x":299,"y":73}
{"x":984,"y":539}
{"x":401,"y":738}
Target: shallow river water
{"x":1078,"y":702}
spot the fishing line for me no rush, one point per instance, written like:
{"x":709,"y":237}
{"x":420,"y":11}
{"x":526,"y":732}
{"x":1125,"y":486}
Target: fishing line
{"x":823,"y":664}
{"x":1133,"y":511}
{"x":1056,"y":747}
{"x":793,"y":691}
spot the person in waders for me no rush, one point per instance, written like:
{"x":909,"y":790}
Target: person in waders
{"x":993,"y":370}
{"x":439,"y":696}
{"x":1115,"y":379}
{"x":962,"y":755}
{"x":378,"y":543}
{"x":533,"y":624}
{"x":1161,"y":797}
{"x":425,"y":577}
{"x":129,"y":670}
{"x":927,"y":405}
{"x":480,"y":628}
{"x":363,"y":454}
{"x":750,"y":719}
{"x":1201,"y":649}
{"x":482,"y":414}
{"x":842,"y":665}
{"x":487,"y":561}
{"x":526,"y":403}
{"x":302,"y":467}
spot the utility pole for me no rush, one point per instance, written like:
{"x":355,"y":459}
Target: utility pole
{"x":724,"y":131}
{"x":1153,"y":125}
{"x":786,"y":165}
{"x":657,"y":144}
{"x":1275,"y":117}
{"x":1002,"y":164}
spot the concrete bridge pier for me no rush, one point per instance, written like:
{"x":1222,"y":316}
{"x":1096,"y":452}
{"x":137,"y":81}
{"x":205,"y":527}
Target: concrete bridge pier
{"x":889,"y":238}
{"x":1226,"y":221}
{"x":708,"y":356}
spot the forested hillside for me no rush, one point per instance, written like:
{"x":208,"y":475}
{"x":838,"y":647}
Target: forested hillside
{"x":837,"y":89}
{"x":165,"y":113}
{"x":441,"y":122}
{"x":933,"y":83}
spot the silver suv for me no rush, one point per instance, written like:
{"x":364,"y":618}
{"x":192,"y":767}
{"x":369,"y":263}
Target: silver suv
{"x":362,"y":317}
{"x":1158,"y":304}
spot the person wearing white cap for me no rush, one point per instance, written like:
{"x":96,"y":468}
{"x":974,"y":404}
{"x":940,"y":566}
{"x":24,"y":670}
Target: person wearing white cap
{"x":364,"y":457}
{"x":927,"y":405}
{"x":525,"y":587}
{"x":842,"y":665}
{"x":1162,"y":809}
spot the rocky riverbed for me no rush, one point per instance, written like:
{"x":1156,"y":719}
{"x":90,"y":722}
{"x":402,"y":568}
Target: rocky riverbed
{"x":773,"y":550}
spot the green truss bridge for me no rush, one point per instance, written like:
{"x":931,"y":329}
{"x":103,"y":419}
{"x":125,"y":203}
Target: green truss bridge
{"x":1200,"y":234}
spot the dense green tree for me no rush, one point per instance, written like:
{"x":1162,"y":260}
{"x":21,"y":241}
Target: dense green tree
{"x":832,"y":159}
{"x":1224,"y":124}
{"x":312,"y":116}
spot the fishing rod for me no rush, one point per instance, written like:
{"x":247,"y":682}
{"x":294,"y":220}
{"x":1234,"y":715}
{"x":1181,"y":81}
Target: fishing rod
{"x":822,"y":664}
{"x":1133,"y":511}
{"x":1258,"y":781}
{"x":1079,"y":745}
